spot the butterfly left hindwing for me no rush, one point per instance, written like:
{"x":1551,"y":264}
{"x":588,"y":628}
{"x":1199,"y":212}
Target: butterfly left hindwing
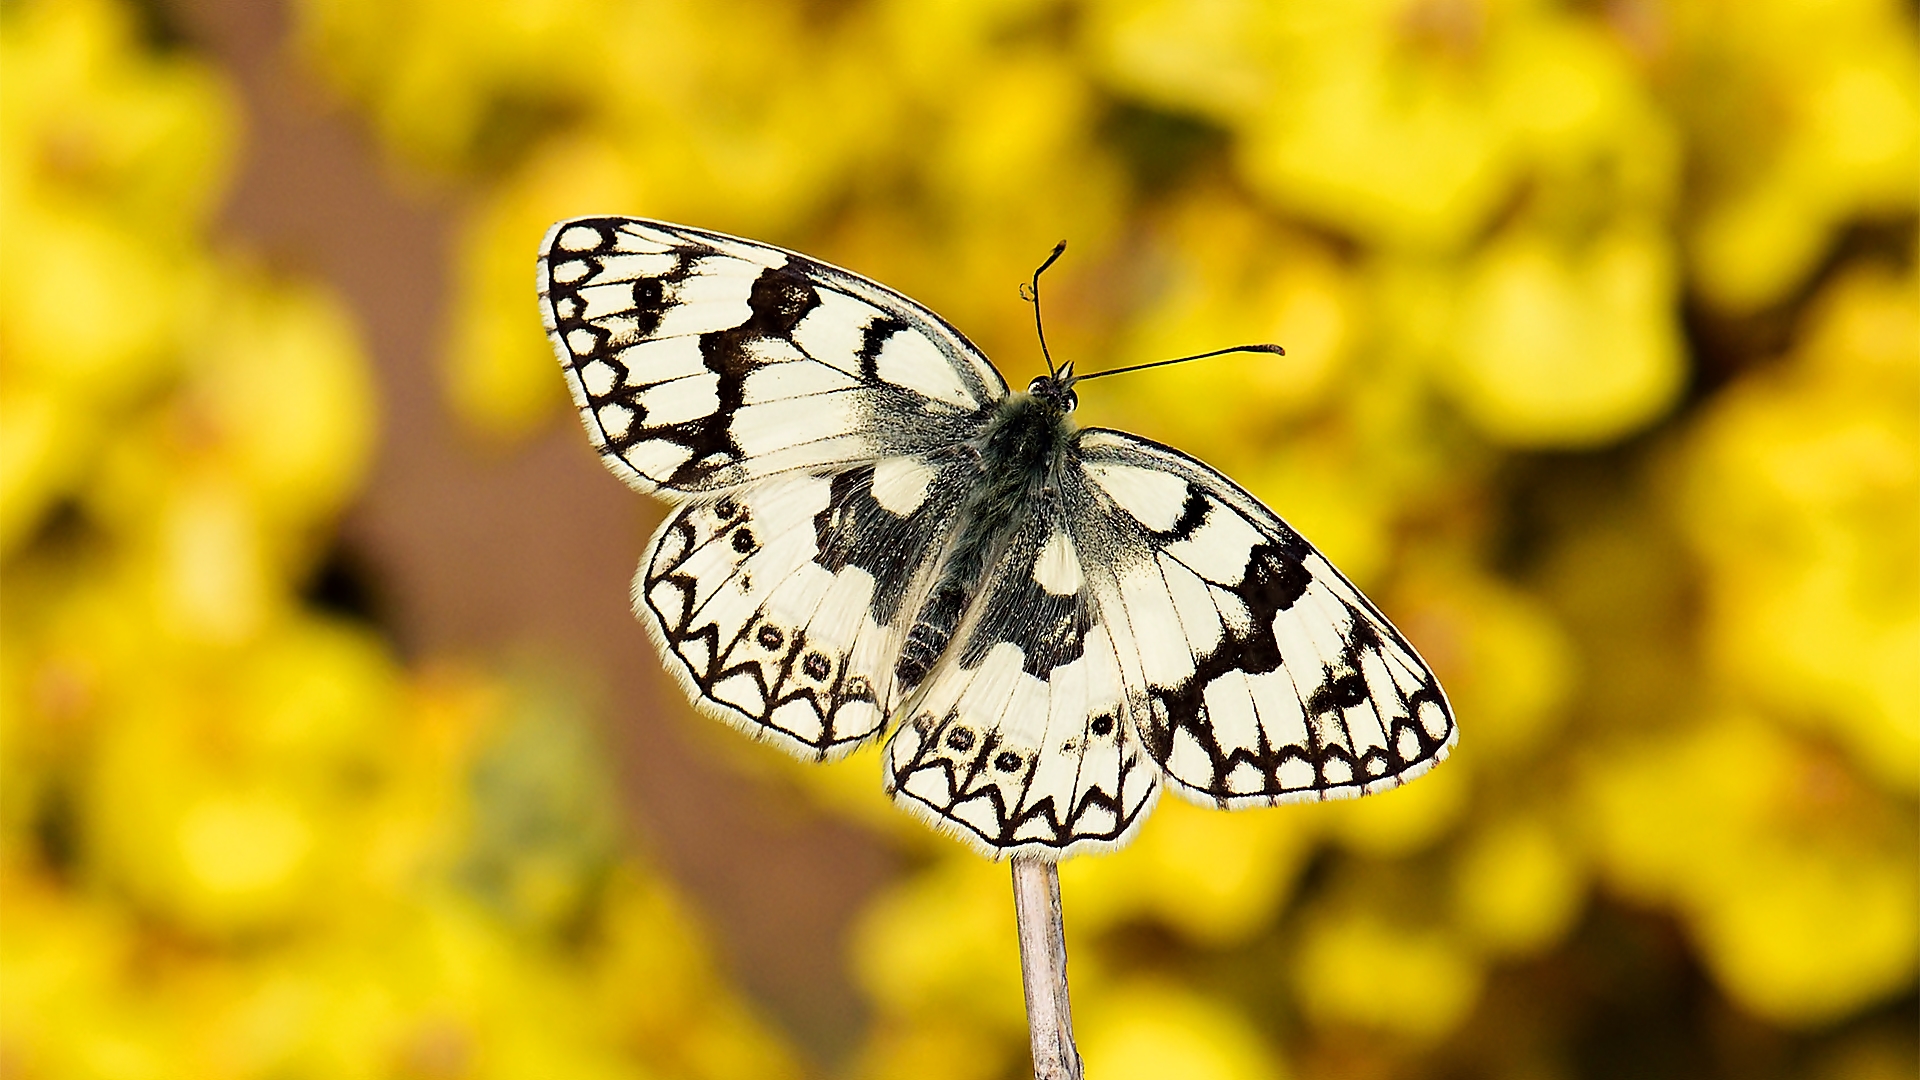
{"x":783,"y":602}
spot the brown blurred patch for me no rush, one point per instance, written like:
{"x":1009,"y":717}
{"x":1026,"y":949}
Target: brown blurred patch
{"x":489,"y":555}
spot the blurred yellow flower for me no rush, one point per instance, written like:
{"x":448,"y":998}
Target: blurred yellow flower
{"x":945,"y":941}
{"x":1518,"y":886}
{"x":1158,"y":1029}
{"x":1802,"y":495}
{"x":1798,"y":880}
{"x":1357,"y":968}
{"x":1215,"y":878}
{"x":1805,"y":117}
{"x":1567,"y":348}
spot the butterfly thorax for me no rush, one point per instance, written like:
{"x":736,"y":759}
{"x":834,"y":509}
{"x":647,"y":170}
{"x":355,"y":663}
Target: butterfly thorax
{"x":1019,"y":454}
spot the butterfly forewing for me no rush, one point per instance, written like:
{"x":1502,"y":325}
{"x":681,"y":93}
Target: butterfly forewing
{"x":1268,"y":677}
{"x":701,"y":362}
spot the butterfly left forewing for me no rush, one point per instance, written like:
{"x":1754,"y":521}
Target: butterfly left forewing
{"x":1267,"y":677}
{"x":701,"y":361}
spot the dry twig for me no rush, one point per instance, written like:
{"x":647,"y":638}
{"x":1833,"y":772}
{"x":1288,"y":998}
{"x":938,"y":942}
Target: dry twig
{"x":1043,"y":968}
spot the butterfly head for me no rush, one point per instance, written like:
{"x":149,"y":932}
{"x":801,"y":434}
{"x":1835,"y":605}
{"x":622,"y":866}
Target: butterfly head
{"x":1056,"y":387}
{"x":1056,"y":390}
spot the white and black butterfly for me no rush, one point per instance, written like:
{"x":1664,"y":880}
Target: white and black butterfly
{"x":869,"y":531}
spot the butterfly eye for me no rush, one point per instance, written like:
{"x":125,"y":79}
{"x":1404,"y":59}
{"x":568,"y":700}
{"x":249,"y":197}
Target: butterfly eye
{"x":1071,"y":401}
{"x":1034,"y":386}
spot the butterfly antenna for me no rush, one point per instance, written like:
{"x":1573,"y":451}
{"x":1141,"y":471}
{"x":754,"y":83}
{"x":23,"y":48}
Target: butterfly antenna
{"x":1031,"y":294}
{"x":1274,"y":349}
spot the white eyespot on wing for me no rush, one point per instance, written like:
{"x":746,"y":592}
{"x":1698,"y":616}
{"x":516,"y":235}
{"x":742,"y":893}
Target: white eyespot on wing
{"x":599,"y":377}
{"x":1153,"y":497}
{"x":576,"y":238}
{"x":834,"y":332}
{"x":569,"y":272}
{"x":1057,"y":568}
{"x":900,"y":483}
{"x":615,"y":420}
{"x":908,"y":358}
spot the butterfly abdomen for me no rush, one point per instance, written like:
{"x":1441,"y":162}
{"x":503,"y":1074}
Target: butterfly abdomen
{"x":1019,"y":451}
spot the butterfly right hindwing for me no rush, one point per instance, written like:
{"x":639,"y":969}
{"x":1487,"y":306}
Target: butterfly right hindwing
{"x":1269,"y":678}
{"x":1023,"y":737}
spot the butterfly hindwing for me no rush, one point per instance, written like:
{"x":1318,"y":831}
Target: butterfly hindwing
{"x":783,"y":601}
{"x":1268,"y":677}
{"x":700,"y":361}
{"x":1020,"y":739}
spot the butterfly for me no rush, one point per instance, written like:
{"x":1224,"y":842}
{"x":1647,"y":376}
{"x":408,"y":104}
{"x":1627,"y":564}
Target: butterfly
{"x":871,"y":538}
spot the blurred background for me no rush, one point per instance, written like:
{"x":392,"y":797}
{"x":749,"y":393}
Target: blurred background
{"x":328,"y":747}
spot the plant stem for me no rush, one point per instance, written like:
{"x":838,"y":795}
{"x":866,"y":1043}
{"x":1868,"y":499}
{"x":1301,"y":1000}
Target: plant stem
{"x":1043,"y":968}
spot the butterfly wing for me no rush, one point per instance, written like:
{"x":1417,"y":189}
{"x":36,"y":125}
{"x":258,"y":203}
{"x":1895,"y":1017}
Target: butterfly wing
{"x":1020,"y":740}
{"x":782,"y":606}
{"x":701,"y":362}
{"x":805,"y":417}
{"x":1263,"y":675}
